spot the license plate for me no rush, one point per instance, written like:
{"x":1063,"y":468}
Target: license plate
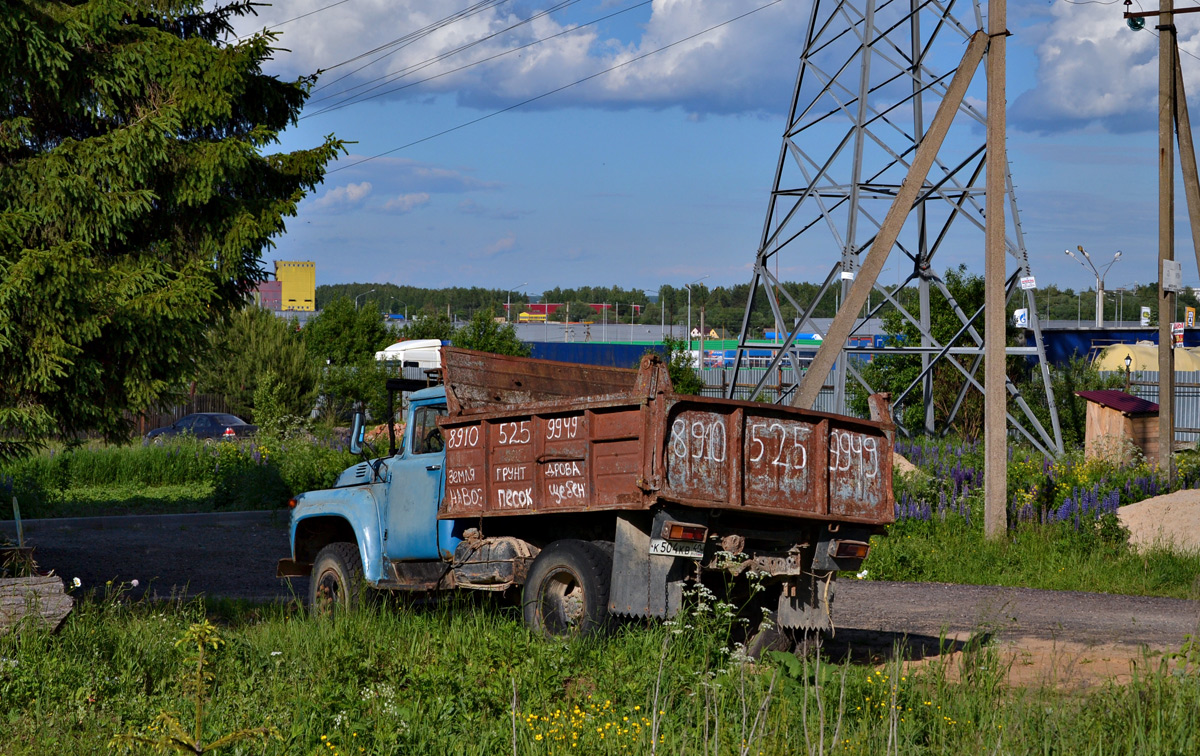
{"x":662,"y":547}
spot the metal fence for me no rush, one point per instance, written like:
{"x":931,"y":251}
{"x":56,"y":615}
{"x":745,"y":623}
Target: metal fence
{"x":779,"y":381}
{"x":1144,"y":384}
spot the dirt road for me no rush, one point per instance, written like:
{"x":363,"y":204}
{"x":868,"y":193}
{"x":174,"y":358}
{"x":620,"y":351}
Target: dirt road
{"x":234,"y":555}
{"x":230,"y":554}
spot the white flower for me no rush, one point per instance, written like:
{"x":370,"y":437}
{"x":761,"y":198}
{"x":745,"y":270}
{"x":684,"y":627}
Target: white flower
{"x":862,"y":575}
{"x":276,"y":653}
{"x":133,"y":583}
{"x":77,"y":582}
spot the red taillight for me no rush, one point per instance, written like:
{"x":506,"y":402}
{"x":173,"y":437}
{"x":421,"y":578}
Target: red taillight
{"x":675,"y":531}
{"x":229,"y":433}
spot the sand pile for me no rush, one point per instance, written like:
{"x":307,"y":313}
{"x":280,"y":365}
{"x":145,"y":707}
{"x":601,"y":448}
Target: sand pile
{"x":1171,"y":520}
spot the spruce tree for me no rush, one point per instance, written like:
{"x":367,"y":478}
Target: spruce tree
{"x":137,"y":196}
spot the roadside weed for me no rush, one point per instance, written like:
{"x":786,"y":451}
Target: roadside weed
{"x":455,"y":677}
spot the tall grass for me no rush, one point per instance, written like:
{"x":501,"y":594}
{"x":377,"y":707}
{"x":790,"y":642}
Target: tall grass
{"x":949,"y":548}
{"x":1064,"y":531}
{"x":182,"y":475}
{"x":462,"y":678}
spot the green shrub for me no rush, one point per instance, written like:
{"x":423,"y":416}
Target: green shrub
{"x":192,"y":476}
{"x":275,"y":422}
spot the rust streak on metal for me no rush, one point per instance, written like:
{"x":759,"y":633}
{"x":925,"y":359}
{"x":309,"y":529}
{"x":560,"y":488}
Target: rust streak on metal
{"x":631,"y":450}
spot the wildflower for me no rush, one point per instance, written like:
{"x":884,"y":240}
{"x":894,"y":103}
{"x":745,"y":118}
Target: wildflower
{"x":862,"y":575}
{"x":134,"y":583}
{"x":77,"y":582}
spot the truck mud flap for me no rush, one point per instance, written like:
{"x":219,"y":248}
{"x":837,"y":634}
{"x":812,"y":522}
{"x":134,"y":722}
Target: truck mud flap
{"x":806,"y":602}
{"x":645,"y":584}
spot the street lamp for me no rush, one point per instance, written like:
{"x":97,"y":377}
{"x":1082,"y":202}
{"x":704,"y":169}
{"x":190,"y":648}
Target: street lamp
{"x":1128,"y":362}
{"x":508,"y":307}
{"x":688,"y":286}
{"x":403,"y":304}
{"x":360,"y":296}
{"x":1099,"y":278}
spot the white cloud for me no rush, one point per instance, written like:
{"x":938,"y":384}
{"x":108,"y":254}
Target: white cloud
{"x":471,"y":207}
{"x":406,"y":203}
{"x":1092,"y":68}
{"x":343,"y":196}
{"x":504,"y":244}
{"x":407,"y":176}
{"x":746,"y":65}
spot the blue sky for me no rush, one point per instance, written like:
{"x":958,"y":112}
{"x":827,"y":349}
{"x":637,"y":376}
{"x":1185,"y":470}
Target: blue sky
{"x":658,"y":173}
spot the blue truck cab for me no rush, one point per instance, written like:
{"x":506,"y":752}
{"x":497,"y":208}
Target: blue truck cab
{"x":379,"y":523}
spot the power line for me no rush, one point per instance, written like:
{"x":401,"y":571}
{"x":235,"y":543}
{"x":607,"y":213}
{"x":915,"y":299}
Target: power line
{"x":424,"y":31}
{"x":410,"y":38}
{"x":297,"y":18}
{"x":356,"y":100}
{"x":441,"y":56}
{"x":558,"y":89}
{"x":306,"y":15}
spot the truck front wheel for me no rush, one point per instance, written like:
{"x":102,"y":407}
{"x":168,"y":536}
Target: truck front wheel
{"x":566,"y":592}
{"x":336,"y":579}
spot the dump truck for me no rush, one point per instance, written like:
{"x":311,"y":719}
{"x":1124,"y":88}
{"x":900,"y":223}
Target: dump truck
{"x":594,"y":493}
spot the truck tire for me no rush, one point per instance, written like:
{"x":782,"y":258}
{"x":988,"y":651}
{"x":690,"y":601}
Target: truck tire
{"x":337,"y":579}
{"x":566,"y":593}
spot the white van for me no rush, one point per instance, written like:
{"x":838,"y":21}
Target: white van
{"x":420,"y":353}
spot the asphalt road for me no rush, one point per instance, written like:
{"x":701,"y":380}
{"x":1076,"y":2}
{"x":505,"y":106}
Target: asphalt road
{"x":234,"y":555}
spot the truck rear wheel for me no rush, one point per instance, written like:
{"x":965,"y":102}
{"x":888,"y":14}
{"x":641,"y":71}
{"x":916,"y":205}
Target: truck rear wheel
{"x":336,"y":580}
{"x":566,"y":592}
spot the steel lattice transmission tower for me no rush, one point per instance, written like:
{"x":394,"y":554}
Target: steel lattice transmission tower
{"x":869,"y":81}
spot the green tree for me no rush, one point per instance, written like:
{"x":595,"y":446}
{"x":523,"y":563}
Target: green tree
{"x":344,"y":335}
{"x":249,"y":344}
{"x":894,"y":372}
{"x":346,"y":388}
{"x":272,"y":410}
{"x":484,"y":334}
{"x":681,"y":366}
{"x":136,"y":200}
{"x":428,"y":325}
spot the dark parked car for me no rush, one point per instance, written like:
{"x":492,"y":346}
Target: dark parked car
{"x":206,"y":425}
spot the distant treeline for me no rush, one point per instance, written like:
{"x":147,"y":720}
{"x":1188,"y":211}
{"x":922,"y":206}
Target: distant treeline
{"x":724,"y":305}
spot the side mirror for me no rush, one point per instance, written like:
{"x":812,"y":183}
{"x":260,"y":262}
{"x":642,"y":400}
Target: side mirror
{"x":356,"y":434}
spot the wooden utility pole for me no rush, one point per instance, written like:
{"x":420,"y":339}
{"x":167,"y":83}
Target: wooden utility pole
{"x":1166,"y":234}
{"x":995,"y":424}
{"x":1187,"y":158}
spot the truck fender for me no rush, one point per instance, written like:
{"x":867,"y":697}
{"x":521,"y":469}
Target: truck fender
{"x":346,"y":514}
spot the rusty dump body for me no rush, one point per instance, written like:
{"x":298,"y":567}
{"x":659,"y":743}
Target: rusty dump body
{"x":528,"y":436}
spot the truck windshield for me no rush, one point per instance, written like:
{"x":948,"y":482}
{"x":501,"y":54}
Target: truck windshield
{"x":427,"y":436}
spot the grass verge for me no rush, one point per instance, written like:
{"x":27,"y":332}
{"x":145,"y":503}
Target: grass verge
{"x":116,"y":499}
{"x":184,"y":475}
{"x":1051,"y":556}
{"x":460,"y":678}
